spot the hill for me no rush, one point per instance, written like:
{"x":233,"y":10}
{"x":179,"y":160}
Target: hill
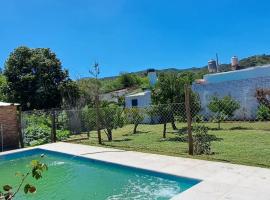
{"x":109,"y":84}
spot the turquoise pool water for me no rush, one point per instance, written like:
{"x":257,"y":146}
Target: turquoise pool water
{"x":79,"y":178}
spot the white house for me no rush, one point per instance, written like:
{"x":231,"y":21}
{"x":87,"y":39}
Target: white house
{"x":142,"y":99}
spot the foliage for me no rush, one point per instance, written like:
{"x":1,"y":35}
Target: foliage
{"x":223,"y":108}
{"x":198,"y":118}
{"x":134,"y":116}
{"x":128,"y":80}
{"x":3,"y":87}
{"x":89,"y":118}
{"x":38,"y":130}
{"x":170,"y":89}
{"x":62,"y":134}
{"x":163,"y":114}
{"x":201,"y":140}
{"x":111,"y":118}
{"x":36,"y":171}
{"x":86,"y":88}
{"x":70,"y":94}
{"x":36,"y":134}
{"x":263,"y":113}
{"x":35,"y":78}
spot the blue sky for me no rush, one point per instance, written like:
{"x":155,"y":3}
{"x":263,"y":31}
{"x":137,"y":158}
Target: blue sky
{"x":132,"y":35}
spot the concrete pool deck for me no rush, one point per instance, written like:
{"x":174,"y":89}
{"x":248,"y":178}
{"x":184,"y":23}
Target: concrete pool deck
{"x":220,"y":181}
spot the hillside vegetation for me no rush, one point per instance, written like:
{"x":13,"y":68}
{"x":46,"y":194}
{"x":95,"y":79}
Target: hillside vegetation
{"x":139,"y":79}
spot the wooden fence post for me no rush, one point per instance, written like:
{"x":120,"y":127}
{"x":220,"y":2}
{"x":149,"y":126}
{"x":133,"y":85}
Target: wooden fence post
{"x":53,"y":130}
{"x":189,"y":119}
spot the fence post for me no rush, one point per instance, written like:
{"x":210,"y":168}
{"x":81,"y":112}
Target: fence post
{"x":188,"y":114}
{"x":20,"y":127}
{"x":53,"y":130}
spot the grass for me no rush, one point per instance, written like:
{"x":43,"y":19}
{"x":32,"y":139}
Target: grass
{"x":245,"y":143}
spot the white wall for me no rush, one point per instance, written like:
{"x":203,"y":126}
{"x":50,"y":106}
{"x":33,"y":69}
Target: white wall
{"x":144,"y":100}
{"x":254,"y":72}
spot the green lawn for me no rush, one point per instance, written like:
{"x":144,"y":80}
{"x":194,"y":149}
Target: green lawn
{"x":242,"y":143}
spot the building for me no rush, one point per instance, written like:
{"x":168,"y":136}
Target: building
{"x":9,"y":126}
{"x":139,"y":99}
{"x":240,"y":84}
{"x":143,"y":98}
{"x":113,"y":96}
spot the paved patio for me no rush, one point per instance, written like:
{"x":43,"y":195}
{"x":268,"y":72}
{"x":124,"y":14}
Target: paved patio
{"x":221,"y":181}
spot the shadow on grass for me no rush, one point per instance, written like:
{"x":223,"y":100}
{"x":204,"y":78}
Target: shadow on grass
{"x":241,"y":128}
{"x":137,"y":133}
{"x":121,"y":140}
{"x":184,"y":138}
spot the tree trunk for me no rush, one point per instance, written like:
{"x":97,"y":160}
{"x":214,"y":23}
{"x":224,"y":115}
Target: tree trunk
{"x":109,"y":135}
{"x":164,"y":130}
{"x":219,"y":125}
{"x":173,"y":124}
{"x":135,"y":128}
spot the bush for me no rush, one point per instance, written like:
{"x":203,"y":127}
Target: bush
{"x":263,"y":113}
{"x":38,"y":128}
{"x":223,"y":108}
{"x":62,"y":134}
{"x":201,"y":140}
{"x":37,"y":134}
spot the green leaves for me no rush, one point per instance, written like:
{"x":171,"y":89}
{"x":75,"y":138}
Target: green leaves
{"x":7,"y":188}
{"x":38,"y":168}
{"x":29,"y":188}
{"x":36,"y":76}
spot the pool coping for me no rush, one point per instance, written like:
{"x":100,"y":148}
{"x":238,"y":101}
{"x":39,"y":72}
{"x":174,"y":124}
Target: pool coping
{"x":219,"y":180}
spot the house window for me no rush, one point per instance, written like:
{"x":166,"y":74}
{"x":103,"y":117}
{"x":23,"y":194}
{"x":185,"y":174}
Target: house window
{"x":134,"y":102}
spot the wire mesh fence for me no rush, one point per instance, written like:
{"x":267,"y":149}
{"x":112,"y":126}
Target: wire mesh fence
{"x":206,"y":119}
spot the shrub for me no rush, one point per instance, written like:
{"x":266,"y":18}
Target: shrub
{"x":263,"y":113}
{"x":111,"y":118}
{"x":201,"y":140}
{"x":62,"y":134}
{"x":36,"y":134}
{"x":223,"y":108}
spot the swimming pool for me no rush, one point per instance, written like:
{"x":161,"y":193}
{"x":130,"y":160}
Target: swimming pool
{"x":82,"y":178}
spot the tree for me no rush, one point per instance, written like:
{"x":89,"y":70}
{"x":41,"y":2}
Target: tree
{"x":263,"y":113}
{"x":170,"y":90}
{"x":70,"y":94}
{"x":163,"y":113}
{"x":223,"y":108}
{"x":95,"y":73}
{"x":134,"y":116}
{"x":35,"y":78}
{"x":3,"y":87}
{"x":111,"y":118}
{"x":128,"y":80}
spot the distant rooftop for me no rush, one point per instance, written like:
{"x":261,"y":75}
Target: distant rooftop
{"x":138,"y":93}
{"x":252,"y":72}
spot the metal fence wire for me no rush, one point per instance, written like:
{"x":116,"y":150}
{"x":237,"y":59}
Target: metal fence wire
{"x":208,"y":113}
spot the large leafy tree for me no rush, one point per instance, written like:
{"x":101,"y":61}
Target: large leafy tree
{"x":35,"y":78}
{"x":3,"y":86}
{"x":170,"y":90}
